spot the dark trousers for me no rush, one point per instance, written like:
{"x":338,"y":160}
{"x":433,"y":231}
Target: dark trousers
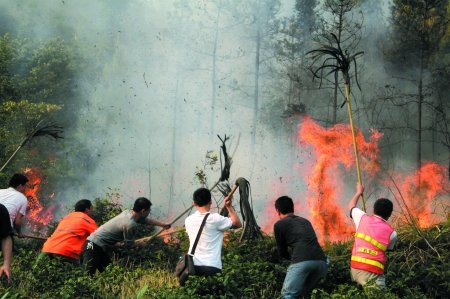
{"x":5,"y":223}
{"x":206,"y":270}
{"x":94,"y":258}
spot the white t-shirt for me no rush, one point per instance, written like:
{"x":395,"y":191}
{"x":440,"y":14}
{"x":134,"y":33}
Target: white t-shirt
{"x":209,"y":247}
{"x":14,"y":201}
{"x":357,"y":214}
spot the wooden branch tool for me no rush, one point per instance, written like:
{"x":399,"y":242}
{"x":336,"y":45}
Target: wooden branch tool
{"x":236,"y":185}
{"x":30,"y":237}
{"x":355,"y":146}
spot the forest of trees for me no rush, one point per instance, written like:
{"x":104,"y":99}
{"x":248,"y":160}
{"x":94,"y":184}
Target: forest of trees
{"x":69,"y":101}
{"x":399,"y":85}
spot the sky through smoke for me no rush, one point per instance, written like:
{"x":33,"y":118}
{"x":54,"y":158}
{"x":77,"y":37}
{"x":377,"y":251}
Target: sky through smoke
{"x":147,"y":99}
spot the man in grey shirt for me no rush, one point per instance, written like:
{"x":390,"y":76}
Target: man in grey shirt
{"x":121,"y":228}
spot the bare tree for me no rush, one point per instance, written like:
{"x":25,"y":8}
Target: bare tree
{"x":339,"y":19}
{"x":417,"y":28}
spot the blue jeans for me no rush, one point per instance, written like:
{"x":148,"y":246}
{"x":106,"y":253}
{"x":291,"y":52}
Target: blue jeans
{"x":302,"y":277}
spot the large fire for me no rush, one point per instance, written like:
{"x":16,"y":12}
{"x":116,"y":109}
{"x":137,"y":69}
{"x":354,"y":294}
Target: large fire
{"x":38,"y":216}
{"x":416,"y":193}
{"x":333,"y":151}
{"x":333,"y":147}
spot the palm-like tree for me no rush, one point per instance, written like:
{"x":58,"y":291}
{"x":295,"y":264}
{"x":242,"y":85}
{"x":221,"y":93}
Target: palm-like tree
{"x":335,"y":59}
{"x":41,"y":129}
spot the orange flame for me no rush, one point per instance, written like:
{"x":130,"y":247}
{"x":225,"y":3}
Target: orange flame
{"x":334,"y":147}
{"x":37,"y":216}
{"x":419,"y":190}
{"x":172,"y":235}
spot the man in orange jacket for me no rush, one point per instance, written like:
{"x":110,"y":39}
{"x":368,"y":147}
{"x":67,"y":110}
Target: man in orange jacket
{"x":71,"y":232}
{"x":372,"y":238}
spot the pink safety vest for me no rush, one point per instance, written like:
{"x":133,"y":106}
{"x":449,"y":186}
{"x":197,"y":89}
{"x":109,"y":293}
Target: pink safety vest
{"x":371,"y":242}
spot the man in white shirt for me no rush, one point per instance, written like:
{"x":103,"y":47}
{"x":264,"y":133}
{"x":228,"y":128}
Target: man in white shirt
{"x":15,"y":201}
{"x":207,"y":256}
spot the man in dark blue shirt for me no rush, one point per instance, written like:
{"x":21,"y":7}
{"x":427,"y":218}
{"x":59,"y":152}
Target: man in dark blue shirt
{"x":297,"y":242}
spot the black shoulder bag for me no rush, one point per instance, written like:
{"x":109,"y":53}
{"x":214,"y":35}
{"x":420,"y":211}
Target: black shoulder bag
{"x":185,"y":265}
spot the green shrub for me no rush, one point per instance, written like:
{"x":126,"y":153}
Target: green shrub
{"x":106,"y":208}
{"x":239,"y":279}
{"x":416,"y":269}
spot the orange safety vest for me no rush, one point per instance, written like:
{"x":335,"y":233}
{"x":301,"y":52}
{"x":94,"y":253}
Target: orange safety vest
{"x":70,"y":235}
{"x":371,"y":242}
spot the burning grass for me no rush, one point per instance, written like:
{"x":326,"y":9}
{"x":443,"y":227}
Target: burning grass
{"x":417,"y":268}
{"x":251,"y":270}
{"x":420,"y":197}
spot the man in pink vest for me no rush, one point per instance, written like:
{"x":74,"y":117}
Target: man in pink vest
{"x":372,"y":238}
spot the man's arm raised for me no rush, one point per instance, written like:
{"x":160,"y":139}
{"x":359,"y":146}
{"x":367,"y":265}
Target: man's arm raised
{"x":354,"y":201}
{"x":232,"y":213}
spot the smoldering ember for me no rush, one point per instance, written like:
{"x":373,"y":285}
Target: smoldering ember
{"x":112,"y":101}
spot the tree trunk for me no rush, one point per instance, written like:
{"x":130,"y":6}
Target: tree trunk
{"x":214,"y":78}
{"x":419,"y":123}
{"x":174,"y":150}
{"x":336,"y":82}
{"x":419,"y":104}
{"x":256,"y":90}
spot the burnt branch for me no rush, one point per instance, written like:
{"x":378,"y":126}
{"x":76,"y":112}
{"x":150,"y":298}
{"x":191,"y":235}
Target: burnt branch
{"x":225,"y":173}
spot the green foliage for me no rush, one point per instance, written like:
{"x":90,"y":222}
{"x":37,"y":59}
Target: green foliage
{"x":106,"y":208}
{"x":339,"y":256}
{"x":265,"y":247}
{"x":38,"y":82}
{"x":416,"y":269}
{"x":209,"y":164}
{"x":78,"y":287}
{"x":417,"y":29}
{"x":420,"y":265}
{"x":50,"y":73}
{"x":346,"y":291}
{"x":17,"y":119}
{"x":39,"y":72}
{"x":7,"y":58}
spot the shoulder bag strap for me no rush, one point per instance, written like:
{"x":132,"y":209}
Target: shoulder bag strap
{"x":198,"y":234}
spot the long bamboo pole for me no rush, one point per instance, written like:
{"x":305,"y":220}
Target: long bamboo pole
{"x":355,"y":145}
{"x":159,"y":232}
{"x":12,"y":156}
{"x":31,"y":237}
{"x":24,"y":141}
